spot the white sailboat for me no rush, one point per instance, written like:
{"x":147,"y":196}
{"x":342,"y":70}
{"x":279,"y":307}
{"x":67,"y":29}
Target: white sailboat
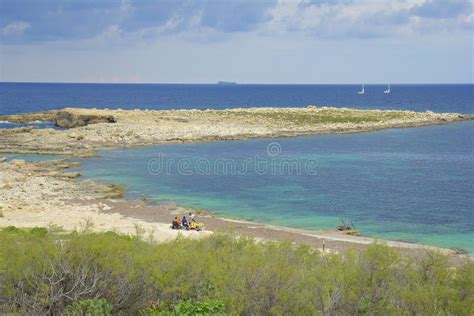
{"x":362,"y":91}
{"x":388,"y":89}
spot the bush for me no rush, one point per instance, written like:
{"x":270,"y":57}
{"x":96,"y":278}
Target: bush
{"x":44,"y":273}
{"x":40,"y":231}
{"x":12,"y":229}
{"x":98,"y":307}
{"x":187,"y":307}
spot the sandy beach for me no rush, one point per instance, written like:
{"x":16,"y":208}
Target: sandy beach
{"x":46,"y":195}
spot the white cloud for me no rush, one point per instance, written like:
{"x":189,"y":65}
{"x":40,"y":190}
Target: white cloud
{"x":14,"y":28}
{"x":367,"y":19}
{"x":113,"y":31}
{"x":73,"y":20}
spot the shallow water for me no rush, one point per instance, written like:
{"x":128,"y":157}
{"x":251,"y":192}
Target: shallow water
{"x":404,"y":184}
{"x":6,"y":124}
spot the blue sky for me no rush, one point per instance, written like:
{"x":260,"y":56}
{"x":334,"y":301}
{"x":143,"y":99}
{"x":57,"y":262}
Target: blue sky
{"x":259,"y":41}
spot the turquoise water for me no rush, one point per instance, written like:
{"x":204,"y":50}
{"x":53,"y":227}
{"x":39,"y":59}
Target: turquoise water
{"x":402,"y":184}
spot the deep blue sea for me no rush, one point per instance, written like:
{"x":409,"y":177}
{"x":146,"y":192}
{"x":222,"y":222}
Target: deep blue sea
{"x":26,"y":97}
{"x":405,"y":184}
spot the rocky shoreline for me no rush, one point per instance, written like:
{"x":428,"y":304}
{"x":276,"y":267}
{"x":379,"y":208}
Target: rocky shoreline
{"x":48,"y":194}
{"x":88,"y":129}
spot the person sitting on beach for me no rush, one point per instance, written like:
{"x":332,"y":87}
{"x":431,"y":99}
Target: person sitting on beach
{"x":184,"y":223}
{"x":195,"y":225}
{"x":191,"y":216}
{"x":176,"y":224}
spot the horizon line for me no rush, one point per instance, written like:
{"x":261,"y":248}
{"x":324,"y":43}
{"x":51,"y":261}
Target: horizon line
{"x":236,"y":83}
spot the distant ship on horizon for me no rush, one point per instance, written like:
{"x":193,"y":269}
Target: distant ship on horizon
{"x":227,"y":83}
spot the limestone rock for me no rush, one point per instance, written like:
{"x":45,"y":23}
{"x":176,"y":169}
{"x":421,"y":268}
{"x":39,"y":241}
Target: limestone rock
{"x":76,"y":136}
{"x":71,"y":175}
{"x":69,"y":120}
{"x":18,"y":163}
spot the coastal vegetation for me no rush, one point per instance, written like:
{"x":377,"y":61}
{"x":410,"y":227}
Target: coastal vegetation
{"x":48,"y":271}
{"x":321,"y":116}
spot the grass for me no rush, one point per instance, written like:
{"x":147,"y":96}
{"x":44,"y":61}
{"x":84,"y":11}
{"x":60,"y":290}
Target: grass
{"x":312,"y":117}
{"x":45,"y":272}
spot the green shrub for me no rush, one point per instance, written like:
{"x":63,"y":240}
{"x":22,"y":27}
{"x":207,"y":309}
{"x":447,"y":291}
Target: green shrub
{"x":97,"y":307}
{"x":12,"y":229}
{"x":43,"y":273}
{"x":40,"y":231}
{"x":187,"y":307}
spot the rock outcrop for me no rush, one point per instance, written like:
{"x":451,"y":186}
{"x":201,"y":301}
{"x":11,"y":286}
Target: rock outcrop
{"x":70,"y":120}
{"x":62,"y":118}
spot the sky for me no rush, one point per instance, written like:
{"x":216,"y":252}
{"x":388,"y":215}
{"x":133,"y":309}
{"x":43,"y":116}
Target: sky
{"x":247,"y":41}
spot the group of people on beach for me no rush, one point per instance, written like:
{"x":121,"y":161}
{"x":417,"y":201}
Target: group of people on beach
{"x":187,"y":223}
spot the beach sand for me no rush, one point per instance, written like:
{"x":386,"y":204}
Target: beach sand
{"x":44,"y":194}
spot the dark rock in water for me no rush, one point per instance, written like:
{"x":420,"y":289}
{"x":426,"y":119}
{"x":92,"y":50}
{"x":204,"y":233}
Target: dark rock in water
{"x":70,"y":120}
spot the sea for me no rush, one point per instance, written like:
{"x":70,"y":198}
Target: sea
{"x":414,"y":184}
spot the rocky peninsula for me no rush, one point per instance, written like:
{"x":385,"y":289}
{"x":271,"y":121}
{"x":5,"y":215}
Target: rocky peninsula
{"x":83,"y":130}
